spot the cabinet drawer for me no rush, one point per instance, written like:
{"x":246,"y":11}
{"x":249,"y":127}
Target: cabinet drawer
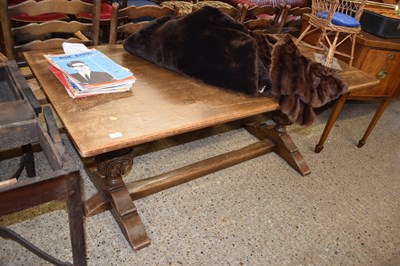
{"x":381,"y":64}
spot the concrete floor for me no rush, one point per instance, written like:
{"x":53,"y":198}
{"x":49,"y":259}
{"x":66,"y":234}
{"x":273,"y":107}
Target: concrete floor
{"x":261,"y":212}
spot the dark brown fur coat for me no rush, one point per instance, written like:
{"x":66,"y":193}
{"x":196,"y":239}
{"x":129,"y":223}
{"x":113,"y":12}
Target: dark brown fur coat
{"x":210,"y":46}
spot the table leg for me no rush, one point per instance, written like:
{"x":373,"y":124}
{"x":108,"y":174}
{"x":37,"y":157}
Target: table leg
{"x":331,"y":121}
{"x":284,"y":145}
{"x":375,"y":119}
{"x":113,"y":194}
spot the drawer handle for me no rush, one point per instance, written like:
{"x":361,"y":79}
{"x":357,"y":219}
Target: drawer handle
{"x":381,"y":74}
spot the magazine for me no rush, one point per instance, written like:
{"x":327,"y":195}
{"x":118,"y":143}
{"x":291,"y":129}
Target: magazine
{"x":90,"y":72}
{"x":75,"y":91}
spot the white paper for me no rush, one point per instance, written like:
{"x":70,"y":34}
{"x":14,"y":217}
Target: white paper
{"x":115,"y":135}
{"x":74,"y":48}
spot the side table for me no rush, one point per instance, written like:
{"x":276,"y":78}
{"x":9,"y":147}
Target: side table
{"x":379,"y":58}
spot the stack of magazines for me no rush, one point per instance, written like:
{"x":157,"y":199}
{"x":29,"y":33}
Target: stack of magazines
{"x":90,"y":73}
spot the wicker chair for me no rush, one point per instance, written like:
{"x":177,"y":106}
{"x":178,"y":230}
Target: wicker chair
{"x":338,"y":18}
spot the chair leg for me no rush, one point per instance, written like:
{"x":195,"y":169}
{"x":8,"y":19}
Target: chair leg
{"x":29,"y":160}
{"x":303,"y":34}
{"x":331,"y":51}
{"x":353,"y":44}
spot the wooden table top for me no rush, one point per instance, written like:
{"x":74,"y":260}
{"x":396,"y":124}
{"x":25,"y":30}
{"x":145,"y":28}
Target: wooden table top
{"x":160,"y":104}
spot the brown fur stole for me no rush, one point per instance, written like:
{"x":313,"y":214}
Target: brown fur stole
{"x":212,"y":47}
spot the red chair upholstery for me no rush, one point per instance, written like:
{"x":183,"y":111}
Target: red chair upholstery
{"x":105,"y":11}
{"x":28,"y":19}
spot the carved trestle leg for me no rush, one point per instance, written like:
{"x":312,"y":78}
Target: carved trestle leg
{"x":113,"y":195}
{"x":284,"y":145}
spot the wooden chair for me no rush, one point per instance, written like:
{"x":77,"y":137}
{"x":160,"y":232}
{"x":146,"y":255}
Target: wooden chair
{"x":20,"y":126}
{"x":182,"y":8}
{"x":293,"y":22}
{"x":23,"y":18}
{"x":334,"y":17}
{"x":265,"y":18}
{"x":238,"y":12}
{"x":105,"y":17}
{"x":49,"y":34}
{"x":126,"y":20}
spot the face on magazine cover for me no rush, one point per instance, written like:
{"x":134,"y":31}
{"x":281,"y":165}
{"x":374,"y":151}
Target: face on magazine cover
{"x":85,"y":75}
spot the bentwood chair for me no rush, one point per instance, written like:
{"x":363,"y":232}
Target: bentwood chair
{"x":49,"y":34}
{"x":339,"y":18}
{"x":265,"y":18}
{"x":130,"y":19}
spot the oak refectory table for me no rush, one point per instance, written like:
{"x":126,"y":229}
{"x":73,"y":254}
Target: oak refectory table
{"x":161,"y":104}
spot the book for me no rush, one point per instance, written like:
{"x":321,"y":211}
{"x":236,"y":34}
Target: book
{"x":89,"y":73}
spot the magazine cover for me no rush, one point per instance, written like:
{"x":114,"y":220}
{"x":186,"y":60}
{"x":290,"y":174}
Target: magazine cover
{"x":91,"y":69}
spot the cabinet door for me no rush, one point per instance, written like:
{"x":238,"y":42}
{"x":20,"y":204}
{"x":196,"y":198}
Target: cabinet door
{"x":382,"y":64}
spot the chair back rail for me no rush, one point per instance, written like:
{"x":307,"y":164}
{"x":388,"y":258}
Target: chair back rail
{"x":122,"y":19}
{"x":49,"y":34}
{"x":265,"y":18}
{"x":292,"y":22}
{"x":238,"y":12}
{"x":34,"y":8}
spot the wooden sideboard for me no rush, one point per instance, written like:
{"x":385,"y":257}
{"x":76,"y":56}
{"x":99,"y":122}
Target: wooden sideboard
{"x":380,"y":58}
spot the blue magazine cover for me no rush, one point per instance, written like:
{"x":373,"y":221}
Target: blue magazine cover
{"x":91,"y":68}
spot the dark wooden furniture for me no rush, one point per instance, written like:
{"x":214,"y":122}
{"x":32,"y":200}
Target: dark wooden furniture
{"x":266,"y":18}
{"x":292,"y":22}
{"x":381,"y":59}
{"x":237,"y":12}
{"x":19,"y":126}
{"x":161,"y":104}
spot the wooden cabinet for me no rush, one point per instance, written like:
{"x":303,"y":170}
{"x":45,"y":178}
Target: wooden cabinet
{"x":380,"y":58}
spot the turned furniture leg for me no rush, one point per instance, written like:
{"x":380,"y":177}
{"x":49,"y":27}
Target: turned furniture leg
{"x":331,"y":121}
{"x":375,"y":119}
{"x":114,"y":194}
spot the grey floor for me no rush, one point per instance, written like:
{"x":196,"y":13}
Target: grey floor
{"x":261,"y":212}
